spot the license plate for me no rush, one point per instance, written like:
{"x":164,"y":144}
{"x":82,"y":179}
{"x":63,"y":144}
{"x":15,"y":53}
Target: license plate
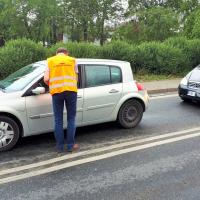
{"x":191,"y":93}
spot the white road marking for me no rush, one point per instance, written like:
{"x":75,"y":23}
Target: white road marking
{"x":95,"y":158}
{"x":163,"y":96}
{"x":98,"y":150}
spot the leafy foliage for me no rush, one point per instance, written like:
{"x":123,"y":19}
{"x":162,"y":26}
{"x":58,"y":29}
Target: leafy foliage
{"x":190,"y":49}
{"x":158,"y":58}
{"x":18,"y":53}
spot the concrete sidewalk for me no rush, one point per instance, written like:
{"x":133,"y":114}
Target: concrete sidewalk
{"x":162,"y":86}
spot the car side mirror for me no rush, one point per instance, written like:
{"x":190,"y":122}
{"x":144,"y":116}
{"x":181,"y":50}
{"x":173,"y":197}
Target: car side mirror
{"x":38,"y":90}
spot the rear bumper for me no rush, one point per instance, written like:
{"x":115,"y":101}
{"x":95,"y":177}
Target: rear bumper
{"x":145,"y":98}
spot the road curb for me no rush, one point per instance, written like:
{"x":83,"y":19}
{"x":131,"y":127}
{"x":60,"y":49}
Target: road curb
{"x":156,"y":91}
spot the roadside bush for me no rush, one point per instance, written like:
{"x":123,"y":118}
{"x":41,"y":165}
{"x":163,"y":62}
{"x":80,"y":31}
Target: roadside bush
{"x":195,"y":55}
{"x":190,"y":48}
{"x":174,"y":56}
{"x":78,"y":50}
{"x":116,"y":50}
{"x":158,"y":58}
{"x":18,"y":53}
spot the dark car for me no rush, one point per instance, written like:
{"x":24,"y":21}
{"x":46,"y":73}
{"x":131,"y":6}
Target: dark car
{"x":189,"y":87}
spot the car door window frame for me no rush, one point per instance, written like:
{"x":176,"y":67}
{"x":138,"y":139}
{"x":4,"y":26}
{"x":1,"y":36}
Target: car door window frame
{"x":80,"y":76}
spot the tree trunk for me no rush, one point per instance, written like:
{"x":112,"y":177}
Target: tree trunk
{"x":102,"y":34}
{"x":85,"y":31}
{"x":2,"y":42}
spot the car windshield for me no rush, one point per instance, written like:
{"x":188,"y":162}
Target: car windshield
{"x":195,"y":76}
{"x":21,"y":78}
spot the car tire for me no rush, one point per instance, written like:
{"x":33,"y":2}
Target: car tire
{"x":130,"y":114}
{"x":9,"y":133}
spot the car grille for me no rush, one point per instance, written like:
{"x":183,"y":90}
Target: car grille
{"x":194,"y":85}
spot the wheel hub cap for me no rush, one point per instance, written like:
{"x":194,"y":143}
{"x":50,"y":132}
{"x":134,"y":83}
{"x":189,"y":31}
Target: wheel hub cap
{"x":130,"y":114}
{"x":6,"y":134}
{"x":1,"y":134}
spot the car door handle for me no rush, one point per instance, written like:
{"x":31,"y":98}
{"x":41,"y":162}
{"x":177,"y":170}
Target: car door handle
{"x":79,"y":97}
{"x":114,"y":91}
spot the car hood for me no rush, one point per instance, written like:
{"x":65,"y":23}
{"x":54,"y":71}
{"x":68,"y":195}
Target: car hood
{"x":9,"y":94}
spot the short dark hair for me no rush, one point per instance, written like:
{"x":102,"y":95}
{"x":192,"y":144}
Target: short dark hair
{"x":61,"y":50}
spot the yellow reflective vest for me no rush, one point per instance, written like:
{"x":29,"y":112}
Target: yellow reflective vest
{"x":62,"y":75}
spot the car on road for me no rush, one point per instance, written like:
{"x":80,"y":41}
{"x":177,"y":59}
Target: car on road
{"x":107,"y":92}
{"x":189,"y":87}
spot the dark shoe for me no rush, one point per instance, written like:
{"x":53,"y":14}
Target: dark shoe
{"x":74,"y":148}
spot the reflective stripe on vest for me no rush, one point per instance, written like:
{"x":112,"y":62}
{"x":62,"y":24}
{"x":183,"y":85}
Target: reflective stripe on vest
{"x":58,"y":78}
{"x":62,"y":85}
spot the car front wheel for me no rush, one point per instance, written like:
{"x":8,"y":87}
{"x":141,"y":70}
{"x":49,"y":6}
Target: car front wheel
{"x":130,"y":114}
{"x":9,"y":133}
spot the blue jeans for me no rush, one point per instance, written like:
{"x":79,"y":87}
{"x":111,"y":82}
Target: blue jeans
{"x":70,"y":100}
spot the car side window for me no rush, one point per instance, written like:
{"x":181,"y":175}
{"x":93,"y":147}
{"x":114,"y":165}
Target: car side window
{"x":116,"y":74}
{"x":97,"y":75}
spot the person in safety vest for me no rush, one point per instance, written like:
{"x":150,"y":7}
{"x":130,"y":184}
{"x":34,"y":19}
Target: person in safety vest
{"x":61,"y":76}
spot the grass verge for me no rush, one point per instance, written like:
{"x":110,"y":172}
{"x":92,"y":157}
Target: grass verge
{"x":153,"y":77}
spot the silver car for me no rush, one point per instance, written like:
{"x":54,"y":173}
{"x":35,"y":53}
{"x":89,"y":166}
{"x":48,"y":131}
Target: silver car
{"x":189,"y":87}
{"x":107,"y":92}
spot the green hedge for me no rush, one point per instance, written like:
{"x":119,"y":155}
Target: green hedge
{"x":78,"y":50}
{"x":18,"y":53}
{"x":190,"y":49}
{"x":158,"y":58}
{"x":174,"y":56}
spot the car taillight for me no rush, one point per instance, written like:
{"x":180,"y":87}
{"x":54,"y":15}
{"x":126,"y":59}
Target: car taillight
{"x":139,"y":86}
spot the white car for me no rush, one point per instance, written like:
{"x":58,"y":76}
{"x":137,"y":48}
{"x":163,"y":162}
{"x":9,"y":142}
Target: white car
{"x":107,"y":91}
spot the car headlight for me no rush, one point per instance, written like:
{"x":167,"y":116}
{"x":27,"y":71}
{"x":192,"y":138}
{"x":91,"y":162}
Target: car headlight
{"x":184,"y":81}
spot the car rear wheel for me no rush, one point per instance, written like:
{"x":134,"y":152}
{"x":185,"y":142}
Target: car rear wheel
{"x":9,"y":133}
{"x":130,"y":114}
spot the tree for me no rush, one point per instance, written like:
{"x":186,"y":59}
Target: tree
{"x":32,"y":19}
{"x":130,"y":32}
{"x":158,"y":23}
{"x":107,"y":11}
{"x":192,"y":25}
{"x":138,"y":5}
{"x":87,"y":19}
{"x":38,"y":19}
{"x":79,"y":18}
{"x":7,"y":13}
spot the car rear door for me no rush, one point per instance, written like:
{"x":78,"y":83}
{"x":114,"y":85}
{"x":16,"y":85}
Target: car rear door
{"x":103,"y":89}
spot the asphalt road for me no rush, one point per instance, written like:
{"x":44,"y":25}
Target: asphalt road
{"x":164,"y":115}
{"x":164,"y":164}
